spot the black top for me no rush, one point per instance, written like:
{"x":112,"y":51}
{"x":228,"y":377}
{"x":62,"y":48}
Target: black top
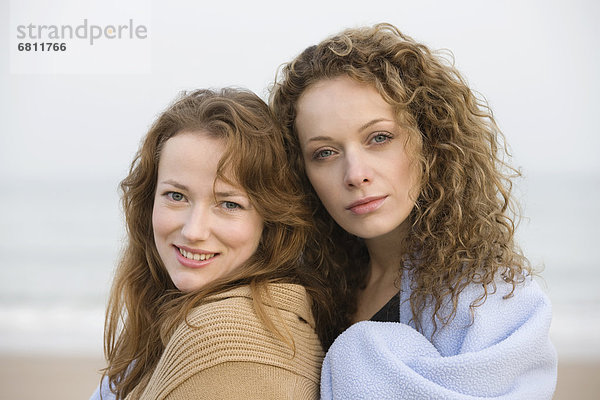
{"x":390,"y":312}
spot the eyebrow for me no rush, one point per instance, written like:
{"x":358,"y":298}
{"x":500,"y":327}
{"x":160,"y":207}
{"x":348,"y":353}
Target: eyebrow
{"x":231,"y":193}
{"x":319,"y":139}
{"x":176,"y":184}
{"x":228,"y":193}
{"x":373,"y":122}
{"x":362,"y":128}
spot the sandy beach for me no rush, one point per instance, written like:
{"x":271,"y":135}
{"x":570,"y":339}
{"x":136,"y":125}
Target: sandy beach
{"x":75,"y":378}
{"x":30,"y":377}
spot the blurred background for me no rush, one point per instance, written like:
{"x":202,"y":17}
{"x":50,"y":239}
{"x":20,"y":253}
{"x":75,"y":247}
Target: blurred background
{"x":70,"y":124}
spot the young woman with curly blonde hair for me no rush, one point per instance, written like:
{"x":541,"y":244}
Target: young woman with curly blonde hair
{"x":210,"y":299}
{"x":405,"y":172}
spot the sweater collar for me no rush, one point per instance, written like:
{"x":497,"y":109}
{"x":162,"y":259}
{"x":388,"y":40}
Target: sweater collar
{"x":288,"y":297}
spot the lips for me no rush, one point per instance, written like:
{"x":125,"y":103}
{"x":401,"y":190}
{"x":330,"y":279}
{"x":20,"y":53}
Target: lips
{"x":366,"y":205}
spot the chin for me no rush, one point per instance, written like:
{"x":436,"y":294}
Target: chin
{"x":372,"y":232}
{"x":365,"y":233}
{"x":186,"y":286}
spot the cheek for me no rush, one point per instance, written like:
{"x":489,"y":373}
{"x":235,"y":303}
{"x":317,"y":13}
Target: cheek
{"x":250,"y":236}
{"x":320,"y":180}
{"x":161,"y":223}
{"x":156,"y":220}
{"x":409,"y":174}
{"x":242,"y":236}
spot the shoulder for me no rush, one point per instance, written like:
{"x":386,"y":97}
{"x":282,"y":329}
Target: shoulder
{"x":499,"y":312}
{"x":227,"y":330}
{"x":230,"y":318}
{"x":289,"y":299}
{"x":502,"y":348}
{"x":506,"y":312}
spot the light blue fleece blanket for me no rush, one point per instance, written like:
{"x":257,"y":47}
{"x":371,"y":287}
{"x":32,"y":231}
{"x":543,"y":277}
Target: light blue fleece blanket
{"x":103,"y":392}
{"x":504,"y":354}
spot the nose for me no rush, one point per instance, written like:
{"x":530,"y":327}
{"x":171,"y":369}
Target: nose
{"x":357,"y":172}
{"x":196,"y":226}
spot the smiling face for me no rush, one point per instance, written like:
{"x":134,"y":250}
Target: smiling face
{"x":355,"y":156}
{"x":202,"y":232}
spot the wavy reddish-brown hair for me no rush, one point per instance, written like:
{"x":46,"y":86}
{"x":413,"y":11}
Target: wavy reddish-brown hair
{"x":144,"y":305}
{"x":463,"y":223}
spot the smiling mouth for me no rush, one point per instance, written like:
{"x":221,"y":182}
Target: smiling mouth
{"x":195,"y":256}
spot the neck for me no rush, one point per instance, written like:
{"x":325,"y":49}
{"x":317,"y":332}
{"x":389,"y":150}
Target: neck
{"x":385,"y":253}
{"x":382,"y":284}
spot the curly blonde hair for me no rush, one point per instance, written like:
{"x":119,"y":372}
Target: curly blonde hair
{"x":144,"y":305}
{"x":464,"y":219}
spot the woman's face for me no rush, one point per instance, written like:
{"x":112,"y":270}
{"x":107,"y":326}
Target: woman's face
{"x":201,"y":234}
{"x":355,"y":156}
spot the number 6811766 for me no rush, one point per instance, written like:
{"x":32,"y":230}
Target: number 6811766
{"x":42,"y":46}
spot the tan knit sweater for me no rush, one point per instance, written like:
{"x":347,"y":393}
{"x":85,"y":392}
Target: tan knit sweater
{"x":230,"y":354}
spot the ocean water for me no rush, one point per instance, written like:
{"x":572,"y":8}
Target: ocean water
{"x":60,"y":241}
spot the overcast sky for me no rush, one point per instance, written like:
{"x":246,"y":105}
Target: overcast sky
{"x":536,"y":62}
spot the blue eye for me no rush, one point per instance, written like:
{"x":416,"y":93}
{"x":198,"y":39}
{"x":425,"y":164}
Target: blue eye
{"x":381,"y":138}
{"x":230,"y":205}
{"x":323,"y":154}
{"x":175,"y":196}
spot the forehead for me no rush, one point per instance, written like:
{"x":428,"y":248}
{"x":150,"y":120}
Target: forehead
{"x":339,"y":103}
{"x":197,"y":154}
{"x":191,"y":152}
{"x":188,"y":142}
